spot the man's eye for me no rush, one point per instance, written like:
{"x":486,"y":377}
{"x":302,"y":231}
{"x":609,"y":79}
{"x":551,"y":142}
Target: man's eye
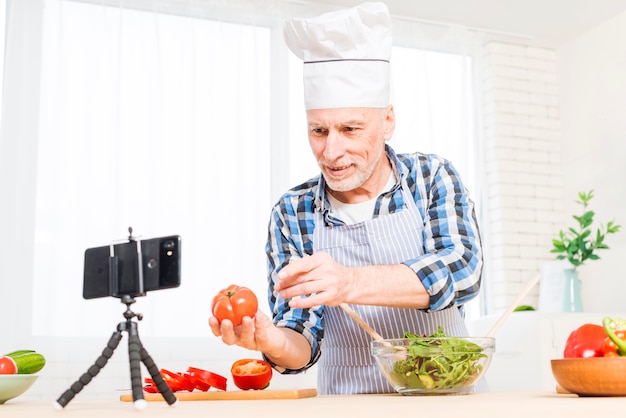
{"x":350,"y":129}
{"x":319,"y":131}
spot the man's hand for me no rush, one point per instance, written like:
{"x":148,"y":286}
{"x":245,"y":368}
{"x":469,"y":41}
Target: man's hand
{"x":283,"y":346}
{"x":320,"y":280}
{"x":314,"y":280}
{"x":258,"y":333}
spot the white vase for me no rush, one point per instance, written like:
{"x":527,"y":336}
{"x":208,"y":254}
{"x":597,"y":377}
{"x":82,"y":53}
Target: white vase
{"x":572,"y":300}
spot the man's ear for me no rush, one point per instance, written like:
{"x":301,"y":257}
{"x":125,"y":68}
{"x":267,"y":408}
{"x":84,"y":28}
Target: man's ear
{"x":389,"y":123}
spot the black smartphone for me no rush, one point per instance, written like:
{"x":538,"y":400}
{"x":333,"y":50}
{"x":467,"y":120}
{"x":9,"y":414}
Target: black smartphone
{"x":132,"y":268}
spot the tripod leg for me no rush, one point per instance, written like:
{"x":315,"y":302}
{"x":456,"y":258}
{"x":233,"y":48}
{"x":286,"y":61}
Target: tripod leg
{"x":134,"y":357}
{"x":165,"y":390}
{"x":84,"y":380}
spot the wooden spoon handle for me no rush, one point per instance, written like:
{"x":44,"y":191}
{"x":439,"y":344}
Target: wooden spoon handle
{"x":525,"y":291}
{"x":361,"y":322}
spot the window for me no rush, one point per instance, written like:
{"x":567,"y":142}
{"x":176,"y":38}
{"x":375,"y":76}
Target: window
{"x":159,"y":122}
{"x":3,"y":18}
{"x":434,"y":104}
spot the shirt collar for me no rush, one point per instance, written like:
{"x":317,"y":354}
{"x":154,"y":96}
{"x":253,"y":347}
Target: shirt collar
{"x":399,"y":170}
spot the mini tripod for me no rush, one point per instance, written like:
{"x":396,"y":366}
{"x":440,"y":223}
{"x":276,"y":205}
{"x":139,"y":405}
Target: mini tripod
{"x":136,"y":352}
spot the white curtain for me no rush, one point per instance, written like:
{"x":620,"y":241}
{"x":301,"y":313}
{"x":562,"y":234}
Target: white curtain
{"x":159,"y":122}
{"x":3,"y":8}
{"x":176,"y":117}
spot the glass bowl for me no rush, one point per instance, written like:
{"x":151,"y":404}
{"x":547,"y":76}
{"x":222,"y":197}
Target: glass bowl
{"x":434,"y":365}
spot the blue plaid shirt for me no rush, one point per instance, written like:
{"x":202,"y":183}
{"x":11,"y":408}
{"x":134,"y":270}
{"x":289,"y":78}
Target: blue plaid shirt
{"x":450,"y":268}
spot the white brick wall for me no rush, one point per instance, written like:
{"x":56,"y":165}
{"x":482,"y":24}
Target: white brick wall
{"x":522,"y":164}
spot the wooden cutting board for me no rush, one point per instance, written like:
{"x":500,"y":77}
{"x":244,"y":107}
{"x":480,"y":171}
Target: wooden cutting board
{"x":230,"y":395}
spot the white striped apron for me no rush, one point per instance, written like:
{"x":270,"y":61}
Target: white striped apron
{"x":346,"y":365}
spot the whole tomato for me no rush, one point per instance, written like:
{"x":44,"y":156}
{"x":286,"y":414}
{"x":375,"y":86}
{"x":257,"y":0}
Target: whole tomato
{"x":234,"y":303}
{"x":251,"y":374}
{"x":7,"y":365}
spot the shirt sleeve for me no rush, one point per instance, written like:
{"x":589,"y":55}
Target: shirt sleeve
{"x":286,"y":241}
{"x":451,"y":267}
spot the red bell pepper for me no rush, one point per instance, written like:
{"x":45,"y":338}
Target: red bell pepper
{"x":586,"y":341}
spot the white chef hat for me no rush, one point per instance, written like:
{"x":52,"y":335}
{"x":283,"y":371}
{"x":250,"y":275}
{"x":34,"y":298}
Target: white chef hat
{"x":346,"y":56}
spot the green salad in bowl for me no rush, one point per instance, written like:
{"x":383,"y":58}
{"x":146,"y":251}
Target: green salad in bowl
{"x":437,"y":364}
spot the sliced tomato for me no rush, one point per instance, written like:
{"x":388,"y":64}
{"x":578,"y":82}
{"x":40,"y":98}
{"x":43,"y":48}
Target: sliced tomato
{"x":251,"y":374}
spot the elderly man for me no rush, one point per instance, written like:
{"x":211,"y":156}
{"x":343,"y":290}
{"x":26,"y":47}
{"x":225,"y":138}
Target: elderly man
{"x":392,"y":235}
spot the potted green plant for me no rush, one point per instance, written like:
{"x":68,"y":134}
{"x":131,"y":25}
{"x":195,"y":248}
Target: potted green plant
{"x":578,"y":245}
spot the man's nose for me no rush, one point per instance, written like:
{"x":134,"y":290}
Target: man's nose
{"x":334,"y":147}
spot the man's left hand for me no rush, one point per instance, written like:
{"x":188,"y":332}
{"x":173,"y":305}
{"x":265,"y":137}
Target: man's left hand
{"x":314,"y":280}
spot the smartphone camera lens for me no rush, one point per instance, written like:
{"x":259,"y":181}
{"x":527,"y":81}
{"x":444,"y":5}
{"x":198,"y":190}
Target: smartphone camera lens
{"x":169,"y":245}
{"x":152,"y":263}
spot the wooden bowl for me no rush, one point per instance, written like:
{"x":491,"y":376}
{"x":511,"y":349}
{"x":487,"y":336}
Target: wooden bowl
{"x":596,"y":376}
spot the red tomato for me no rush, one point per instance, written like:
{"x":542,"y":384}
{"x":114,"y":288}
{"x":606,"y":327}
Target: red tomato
{"x":7,"y":365}
{"x":251,"y":374}
{"x":234,"y":303}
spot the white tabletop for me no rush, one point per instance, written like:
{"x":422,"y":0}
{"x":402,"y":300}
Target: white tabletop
{"x":483,"y":405}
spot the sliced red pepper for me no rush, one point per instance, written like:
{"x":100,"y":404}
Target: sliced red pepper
{"x":615,"y":329}
{"x":610,"y":348}
{"x":586,"y":341}
{"x":173,"y":380}
{"x":204,"y":379}
{"x":193,"y":379}
{"x":150,"y":387}
{"x":186,"y":382}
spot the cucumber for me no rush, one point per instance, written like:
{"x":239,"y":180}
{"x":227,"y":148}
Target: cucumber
{"x":19,"y":353}
{"x":28,"y":361}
